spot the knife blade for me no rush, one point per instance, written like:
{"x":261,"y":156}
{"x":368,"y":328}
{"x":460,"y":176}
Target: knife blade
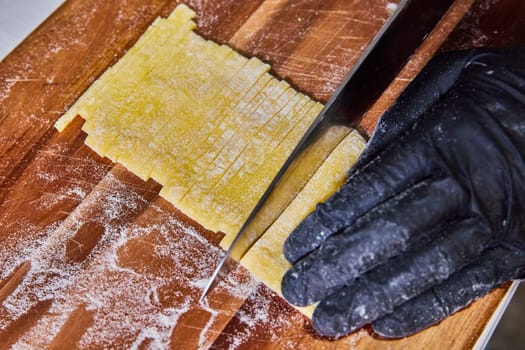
{"x":379,"y":64}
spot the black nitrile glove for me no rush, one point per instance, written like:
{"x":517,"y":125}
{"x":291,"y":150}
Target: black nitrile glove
{"x":432,"y":216}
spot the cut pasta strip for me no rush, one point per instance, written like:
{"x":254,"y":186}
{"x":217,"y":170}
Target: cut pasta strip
{"x":265,"y":259}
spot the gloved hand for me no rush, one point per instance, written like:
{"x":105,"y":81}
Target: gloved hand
{"x":432,"y":216}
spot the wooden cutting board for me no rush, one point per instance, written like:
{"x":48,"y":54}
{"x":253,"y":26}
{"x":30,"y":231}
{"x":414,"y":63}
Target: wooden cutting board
{"x":92,"y":257}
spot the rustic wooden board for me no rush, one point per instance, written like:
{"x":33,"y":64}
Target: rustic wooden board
{"x":77,"y":230}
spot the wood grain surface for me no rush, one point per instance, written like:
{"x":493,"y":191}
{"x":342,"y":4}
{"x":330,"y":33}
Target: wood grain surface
{"x":92,"y":257}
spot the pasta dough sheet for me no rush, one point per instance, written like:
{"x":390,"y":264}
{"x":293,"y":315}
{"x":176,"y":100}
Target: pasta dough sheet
{"x":211,"y":126}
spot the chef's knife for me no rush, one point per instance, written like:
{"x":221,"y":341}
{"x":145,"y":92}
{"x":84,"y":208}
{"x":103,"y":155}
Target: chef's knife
{"x":382,"y":60}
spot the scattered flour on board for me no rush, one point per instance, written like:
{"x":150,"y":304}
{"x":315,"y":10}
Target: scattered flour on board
{"x":260,"y":316}
{"x":265,"y":321}
{"x":391,"y":7}
{"x":125,"y":302}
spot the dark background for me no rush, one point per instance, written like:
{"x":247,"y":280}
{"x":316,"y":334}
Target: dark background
{"x":510,"y":333}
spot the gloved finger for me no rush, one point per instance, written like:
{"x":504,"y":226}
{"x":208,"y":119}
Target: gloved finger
{"x":384,"y":232}
{"x":495,"y":266}
{"x":379,"y":291}
{"x":403,"y":164}
{"x":439,"y":75}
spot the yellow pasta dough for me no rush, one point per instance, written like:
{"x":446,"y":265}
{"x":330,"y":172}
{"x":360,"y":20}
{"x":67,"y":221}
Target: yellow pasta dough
{"x":265,"y":259}
{"x":212,"y":127}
